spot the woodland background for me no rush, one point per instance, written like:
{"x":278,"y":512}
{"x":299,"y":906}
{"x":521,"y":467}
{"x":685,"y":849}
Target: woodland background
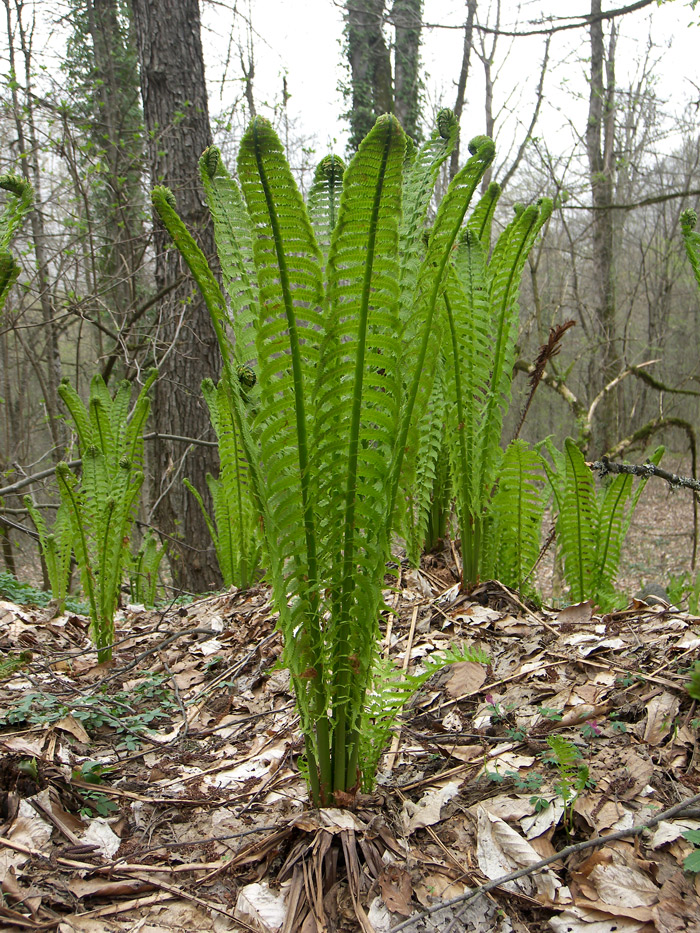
{"x":101,"y":291}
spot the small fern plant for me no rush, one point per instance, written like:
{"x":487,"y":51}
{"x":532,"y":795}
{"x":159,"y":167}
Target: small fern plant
{"x":234,"y":527}
{"x":336,"y":311}
{"x":515,"y":517}
{"x":101,"y":505}
{"x":480,"y":305}
{"x":143,"y":570}
{"x":56,"y":544}
{"x":591,"y":526}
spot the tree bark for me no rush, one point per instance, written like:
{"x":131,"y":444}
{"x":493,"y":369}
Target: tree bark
{"x":600,"y":137}
{"x":407,"y":16}
{"x":177,"y":120}
{"x":117,"y":126}
{"x":370,"y":67}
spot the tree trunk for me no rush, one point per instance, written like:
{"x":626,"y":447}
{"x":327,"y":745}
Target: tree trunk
{"x":117,"y":127}
{"x":23,"y":114}
{"x":370,"y":67}
{"x":600,"y":135}
{"x":407,"y":17}
{"x":462,"y":82}
{"x":177,"y":120}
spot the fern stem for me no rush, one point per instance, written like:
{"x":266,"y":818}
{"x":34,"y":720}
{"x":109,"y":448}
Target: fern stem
{"x":580,"y":517}
{"x":464,"y":481}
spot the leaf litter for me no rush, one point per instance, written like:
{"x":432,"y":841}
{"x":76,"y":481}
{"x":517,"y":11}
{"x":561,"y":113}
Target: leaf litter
{"x":162,"y":791}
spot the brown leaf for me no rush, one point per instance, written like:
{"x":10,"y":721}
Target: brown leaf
{"x":465,"y":677}
{"x":395,"y":884}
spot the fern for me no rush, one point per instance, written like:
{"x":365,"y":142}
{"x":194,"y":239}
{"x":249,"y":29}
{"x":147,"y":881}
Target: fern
{"x":422,"y":329}
{"x":143,"y":570}
{"x":15,"y":211}
{"x":481,"y":311}
{"x":427,"y":492}
{"x":102,"y":507}
{"x":337,"y":379}
{"x":56,"y":548}
{"x":518,"y":505}
{"x":233,"y":529}
{"x":591,"y":527}
{"x":577,"y":524}
{"x":324,"y":199}
{"x":689,"y":219}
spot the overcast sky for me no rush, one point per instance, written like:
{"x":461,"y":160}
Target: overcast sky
{"x":304,"y":41}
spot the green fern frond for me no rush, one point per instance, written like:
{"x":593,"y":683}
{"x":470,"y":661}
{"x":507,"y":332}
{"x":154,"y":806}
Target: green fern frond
{"x":505,"y":271}
{"x":235,"y":250}
{"x":72,"y":499}
{"x":9,"y":271}
{"x":288,"y":264}
{"x":481,"y":218}
{"x":391,"y":689}
{"x":205,"y":514}
{"x":419,"y":183}
{"x":419,"y":486}
{"x":609,"y":531}
{"x":79,"y":414}
{"x":163,"y":203}
{"x":357,"y":399}
{"x":324,"y":199}
{"x":233,"y":529}
{"x":577,"y":523}
{"x":56,"y":546}
{"x":655,"y":458}
{"x":143,"y":570}
{"x":423,"y":329}
{"x":17,"y":207}
{"x":691,"y":239}
{"x":517,"y":512}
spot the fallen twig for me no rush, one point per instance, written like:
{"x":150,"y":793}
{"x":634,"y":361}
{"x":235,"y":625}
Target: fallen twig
{"x":470,"y":896}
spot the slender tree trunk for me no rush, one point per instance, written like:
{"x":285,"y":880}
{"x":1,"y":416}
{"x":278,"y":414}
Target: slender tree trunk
{"x":23,"y":114}
{"x":370,"y":66}
{"x":177,"y":120}
{"x":600,"y":136}
{"x":116,"y":121}
{"x":407,"y":16}
{"x":462,"y":82}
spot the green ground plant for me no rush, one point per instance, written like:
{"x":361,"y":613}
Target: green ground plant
{"x":143,"y":570}
{"x":480,"y":306}
{"x":343,"y":346}
{"x":234,"y":527}
{"x":591,"y":526}
{"x":56,"y":543}
{"x":101,"y":505}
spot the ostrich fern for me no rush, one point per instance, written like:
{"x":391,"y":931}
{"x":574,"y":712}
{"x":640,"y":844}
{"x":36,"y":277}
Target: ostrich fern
{"x":338,"y":314}
{"x":101,"y":505}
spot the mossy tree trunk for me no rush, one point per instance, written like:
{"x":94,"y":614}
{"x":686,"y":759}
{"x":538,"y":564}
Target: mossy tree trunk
{"x":177,"y":123}
{"x":374,"y":87}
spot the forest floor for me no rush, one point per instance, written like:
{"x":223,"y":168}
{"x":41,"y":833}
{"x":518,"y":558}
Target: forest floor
{"x":162,"y":793}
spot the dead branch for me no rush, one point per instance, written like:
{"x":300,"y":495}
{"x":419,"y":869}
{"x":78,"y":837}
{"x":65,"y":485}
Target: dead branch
{"x":605,"y":466}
